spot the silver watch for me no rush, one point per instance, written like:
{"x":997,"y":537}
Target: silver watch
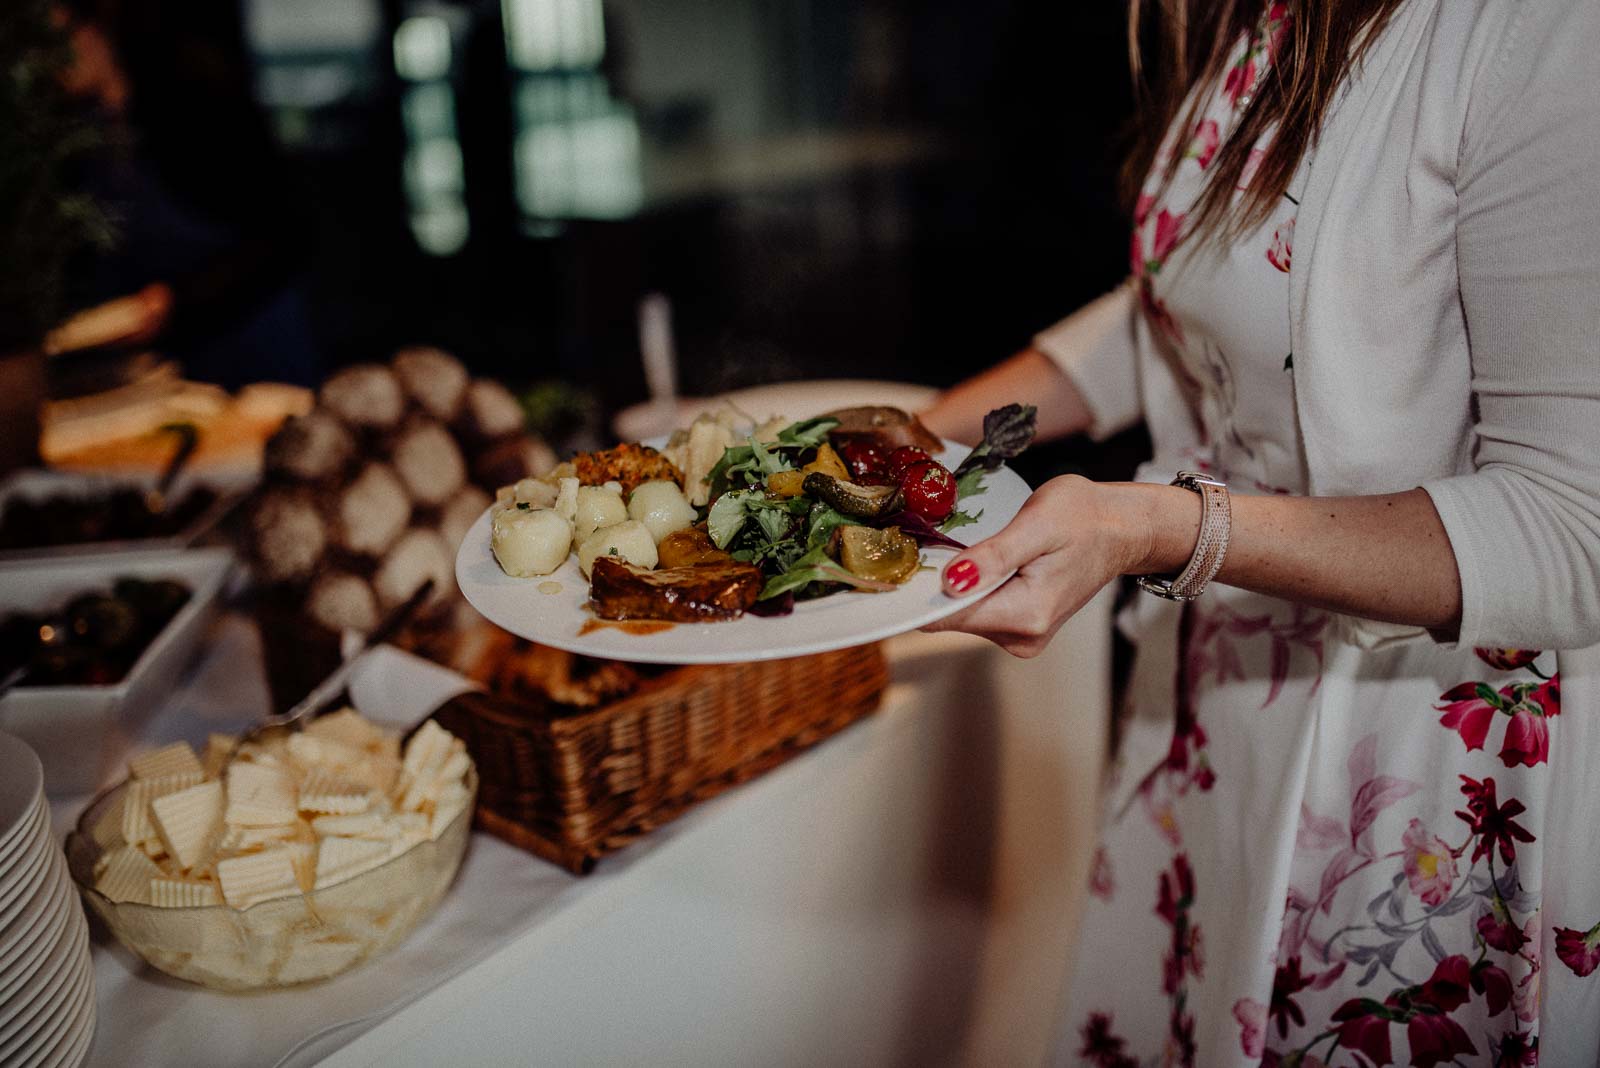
{"x":1216,"y":524}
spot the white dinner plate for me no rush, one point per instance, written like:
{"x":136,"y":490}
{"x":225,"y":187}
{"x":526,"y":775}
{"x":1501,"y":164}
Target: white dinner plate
{"x":22,"y":881}
{"x":74,"y":1042}
{"x":25,"y":840}
{"x":39,"y":1002}
{"x":20,"y":943}
{"x":845,"y":619}
{"x":21,"y":786}
{"x":54,"y":1024}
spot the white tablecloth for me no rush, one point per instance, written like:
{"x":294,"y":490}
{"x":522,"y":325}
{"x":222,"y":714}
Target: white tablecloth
{"x":905,"y":893}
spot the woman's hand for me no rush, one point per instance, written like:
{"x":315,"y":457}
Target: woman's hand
{"x":1071,"y":538}
{"x":1385,"y":557}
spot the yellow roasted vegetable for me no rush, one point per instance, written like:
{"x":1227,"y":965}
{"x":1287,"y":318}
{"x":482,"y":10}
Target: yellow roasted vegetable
{"x":792,"y":483}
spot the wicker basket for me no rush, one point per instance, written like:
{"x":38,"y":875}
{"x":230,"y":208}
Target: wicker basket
{"x":573,"y":788}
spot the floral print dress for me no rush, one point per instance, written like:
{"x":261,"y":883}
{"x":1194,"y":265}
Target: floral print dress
{"x":1314,"y":854}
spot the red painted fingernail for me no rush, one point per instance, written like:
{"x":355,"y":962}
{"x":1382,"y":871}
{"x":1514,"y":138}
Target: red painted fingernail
{"x":961,"y":576}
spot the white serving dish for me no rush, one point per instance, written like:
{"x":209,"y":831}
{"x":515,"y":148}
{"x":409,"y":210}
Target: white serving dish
{"x":34,"y":483}
{"x":82,"y":733}
{"x":794,"y":400}
{"x":554,"y":609}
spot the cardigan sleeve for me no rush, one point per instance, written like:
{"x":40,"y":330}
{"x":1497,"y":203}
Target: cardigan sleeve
{"x":1525,"y":524}
{"x":1097,"y":347}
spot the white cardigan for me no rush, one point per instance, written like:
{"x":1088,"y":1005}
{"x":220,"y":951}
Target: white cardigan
{"x":1444,"y":306}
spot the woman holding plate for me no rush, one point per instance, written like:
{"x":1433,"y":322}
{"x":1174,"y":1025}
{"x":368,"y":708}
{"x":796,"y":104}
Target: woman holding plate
{"x":1345,"y":825}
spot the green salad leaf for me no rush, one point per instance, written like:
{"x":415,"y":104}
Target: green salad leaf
{"x":959,"y":519}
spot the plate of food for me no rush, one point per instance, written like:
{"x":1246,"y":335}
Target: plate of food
{"x":729,"y":542}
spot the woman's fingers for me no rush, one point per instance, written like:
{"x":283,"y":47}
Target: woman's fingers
{"x":1035,"y":530}
{"x":1059,"y":565}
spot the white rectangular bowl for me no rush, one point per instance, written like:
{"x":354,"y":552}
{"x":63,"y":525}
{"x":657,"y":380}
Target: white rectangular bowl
{"x":34,"y":483}
{"x":82,"y":733}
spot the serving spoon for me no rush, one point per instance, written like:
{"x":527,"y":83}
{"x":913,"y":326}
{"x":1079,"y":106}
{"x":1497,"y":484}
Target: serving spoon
{"x":329,"y":688}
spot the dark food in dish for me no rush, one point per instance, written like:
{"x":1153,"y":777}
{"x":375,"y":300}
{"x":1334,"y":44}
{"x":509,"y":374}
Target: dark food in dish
{"x":78,"y":518}
{"x":889,"y":428}
{"x":692,"y":594}
{"x":95,"y":639}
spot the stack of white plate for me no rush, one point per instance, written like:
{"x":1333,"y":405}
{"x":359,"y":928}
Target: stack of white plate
{"x":46,"y":980}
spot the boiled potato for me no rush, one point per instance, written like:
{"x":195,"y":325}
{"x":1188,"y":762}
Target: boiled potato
{"x":536,"y":492}
{"x":595,"y":509}
{"x":567,"y":499}
{"x":629,"y":541}
{"x":661,"y":507}
{"x":530,"y":541}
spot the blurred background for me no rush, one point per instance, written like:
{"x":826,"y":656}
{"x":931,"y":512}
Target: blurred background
{"x":821,"y":188}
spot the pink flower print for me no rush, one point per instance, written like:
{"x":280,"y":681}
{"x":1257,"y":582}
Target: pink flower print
{"x":1507,"y":659}
{"x":1527,"y":740}
{"x":1103,"y":1047}
{"x":1252,"y":163}
{"x":1282,"y":246}
{"x":1141,"y":212}
{"x":1288,"y":981}
{"x":1430,"y":867}
{"x":1204,"y":145}
{"x":1169,"y":228}
{"x":1516,"y":1050}
{"x":1547,"y":696}
{"x":1492,"y":823}
{"x":1467,"y":712}
{"x":1499,"y":930}
{"x":1447,"y":988}
{"x":1241,"y":82}
{"x":1278,"y":21}
{"x":1579,"y":950}
{"x":1101,"y":884}
{"x":1252,"y":1018}
{"x":1364,"y":1028}
{"x":1155,"y":310}
{"x":1525,"y":999}
{"x":1436,"y":1039}
{"x":1175,"y":889}
{"x":1494,"y":984}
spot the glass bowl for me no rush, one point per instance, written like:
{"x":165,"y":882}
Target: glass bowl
{"x":287,"y":941}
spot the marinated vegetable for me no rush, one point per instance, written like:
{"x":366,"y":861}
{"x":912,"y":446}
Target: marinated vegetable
{"x":863,"y":502}
{"x":880,"y":555}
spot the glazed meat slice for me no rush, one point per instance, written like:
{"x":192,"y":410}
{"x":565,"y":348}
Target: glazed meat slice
{"x":889,"y":428}
{"x":697,"y":594}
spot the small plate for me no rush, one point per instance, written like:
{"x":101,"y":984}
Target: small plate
{"x":846,"y":619}
{"x":21,"y":787}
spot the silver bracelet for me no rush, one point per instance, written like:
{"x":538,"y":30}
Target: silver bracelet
{"x":1216,"y":524}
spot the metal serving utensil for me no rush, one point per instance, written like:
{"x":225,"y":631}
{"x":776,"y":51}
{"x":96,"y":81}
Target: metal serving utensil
{"x":329,"y":688}
{"x":156,"y":500}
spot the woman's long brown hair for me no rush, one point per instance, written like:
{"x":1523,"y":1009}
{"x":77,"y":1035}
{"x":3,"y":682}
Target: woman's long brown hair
{"x":1176,"y":45}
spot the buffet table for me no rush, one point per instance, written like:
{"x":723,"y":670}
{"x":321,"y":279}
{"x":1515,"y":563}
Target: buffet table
{"x":905,"y":893}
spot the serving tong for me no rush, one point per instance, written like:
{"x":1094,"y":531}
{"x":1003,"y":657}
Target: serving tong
{"x":329,"y":688}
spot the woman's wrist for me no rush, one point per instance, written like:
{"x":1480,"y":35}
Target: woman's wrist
{"x":1153,"y":528}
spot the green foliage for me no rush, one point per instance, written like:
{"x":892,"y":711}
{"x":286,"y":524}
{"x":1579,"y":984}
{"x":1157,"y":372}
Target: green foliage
{"x":43,"y":133}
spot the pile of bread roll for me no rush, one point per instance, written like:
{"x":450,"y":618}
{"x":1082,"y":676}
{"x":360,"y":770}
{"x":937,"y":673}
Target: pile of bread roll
{"x":370,"y":493}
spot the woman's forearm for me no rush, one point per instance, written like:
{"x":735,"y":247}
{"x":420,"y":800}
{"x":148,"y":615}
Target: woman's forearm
{"x":1029,"y":376}
{"x":1383,"y":557}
